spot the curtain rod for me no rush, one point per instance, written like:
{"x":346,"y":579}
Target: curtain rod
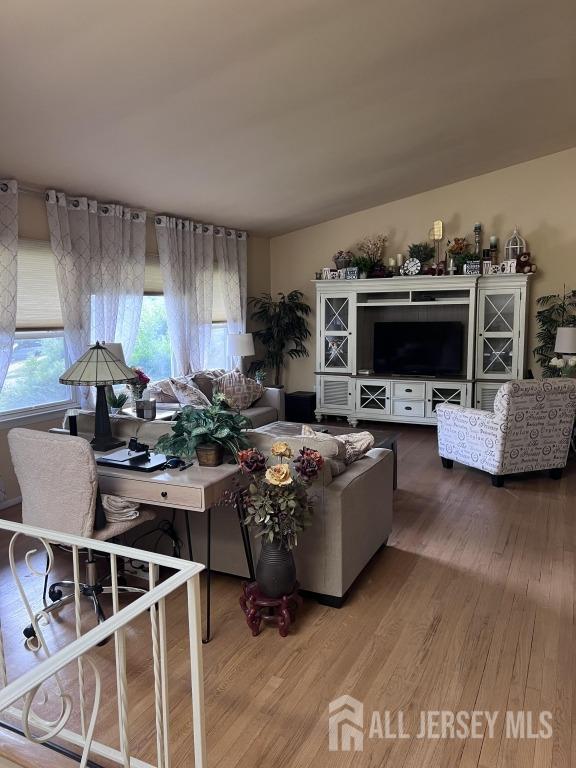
{"x":34,"y":189}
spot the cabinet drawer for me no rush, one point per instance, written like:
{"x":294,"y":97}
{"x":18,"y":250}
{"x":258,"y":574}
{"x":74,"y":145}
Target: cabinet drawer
{"x":408,"y":408}
{"x":152,"y":493}
{"x":407,"y":390}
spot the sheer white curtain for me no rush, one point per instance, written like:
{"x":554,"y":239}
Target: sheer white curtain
{"x":100,"y":253}
{"x":186,"y":252}
{"x":231,"y":255}
{"x":8,"y":276}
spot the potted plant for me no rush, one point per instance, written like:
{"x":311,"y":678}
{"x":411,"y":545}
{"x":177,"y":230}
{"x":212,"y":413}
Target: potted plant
{"x":208,"y":432}
{"x":285,"y":329}
{"x":116,"y":401}
{"x":421,"y":251}
{"x":461,"y":251}
{"x":555,"y":311}
{"x":369,"y":260}
{"x":279,"y":506}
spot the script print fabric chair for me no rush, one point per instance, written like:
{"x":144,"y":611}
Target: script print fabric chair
{"x":59,"y":483}
{"x":530,"y":430}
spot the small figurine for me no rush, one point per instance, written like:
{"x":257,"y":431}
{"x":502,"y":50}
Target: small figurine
{"x":524,"y":263}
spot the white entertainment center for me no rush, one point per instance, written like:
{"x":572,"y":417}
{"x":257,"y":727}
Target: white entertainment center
{"x":491,"y":310}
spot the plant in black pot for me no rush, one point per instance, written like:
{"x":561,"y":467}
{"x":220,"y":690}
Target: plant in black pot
{"x":279,"y":505}
{"x":208,"y":432}
{"x":283,"y":333}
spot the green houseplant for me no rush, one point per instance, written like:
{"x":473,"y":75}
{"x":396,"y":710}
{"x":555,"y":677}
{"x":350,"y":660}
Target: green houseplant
{"x":554,"y":312}
{"x":207,"y":431}
{"x":421,"y":251}
{"x":284,"y":331}
{"x":116,"y":401}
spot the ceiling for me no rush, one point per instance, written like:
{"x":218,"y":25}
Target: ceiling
{"x":274,"y":115}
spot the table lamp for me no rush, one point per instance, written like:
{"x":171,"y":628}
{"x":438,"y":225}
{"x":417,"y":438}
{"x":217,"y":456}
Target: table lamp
{"x":98,"y":367}
{"x":240,"y":345}
{"x":565,"y":341}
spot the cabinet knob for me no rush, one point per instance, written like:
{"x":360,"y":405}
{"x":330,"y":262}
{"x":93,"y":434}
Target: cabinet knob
{"x":408,"y":390}
{"x":408,"y":408}
{"x":164,"y":494}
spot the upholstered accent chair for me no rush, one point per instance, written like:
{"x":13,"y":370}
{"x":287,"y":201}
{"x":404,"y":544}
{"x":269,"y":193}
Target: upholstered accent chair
{"x":530,"y":430}
{"x":59,"y":483}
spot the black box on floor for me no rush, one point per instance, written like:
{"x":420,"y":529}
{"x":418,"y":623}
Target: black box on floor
{"x":300,"y":407}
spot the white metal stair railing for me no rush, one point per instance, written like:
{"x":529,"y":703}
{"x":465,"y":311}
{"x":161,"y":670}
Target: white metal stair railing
{"x":18,"y":695}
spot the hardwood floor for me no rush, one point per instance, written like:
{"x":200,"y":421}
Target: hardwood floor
{"x":470,"y":607}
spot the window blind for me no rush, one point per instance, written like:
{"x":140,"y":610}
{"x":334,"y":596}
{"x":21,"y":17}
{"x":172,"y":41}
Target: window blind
{"x":154,"y":286}
{"x":38,"y":303}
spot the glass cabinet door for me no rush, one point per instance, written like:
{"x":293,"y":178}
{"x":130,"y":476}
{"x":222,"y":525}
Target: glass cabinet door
{"x":336,"y":337}
{"x":373,"y":396}
{"x":336,"y":314}
{"x":498,"y":334}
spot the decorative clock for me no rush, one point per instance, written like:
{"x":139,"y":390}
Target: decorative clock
{"x":411,"y":267}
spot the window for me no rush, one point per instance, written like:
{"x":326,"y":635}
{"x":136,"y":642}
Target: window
{"x":38,"y":359}
{"x":152,"y":352}
{"x":39,"y":352}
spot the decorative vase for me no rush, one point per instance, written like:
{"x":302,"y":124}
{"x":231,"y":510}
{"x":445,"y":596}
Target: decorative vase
{"x":276,"y":570}
{"x":136,"y":391}
{"x":210,"y":454}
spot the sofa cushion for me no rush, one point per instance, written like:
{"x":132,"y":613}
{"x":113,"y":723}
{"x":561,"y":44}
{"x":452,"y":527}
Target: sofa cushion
{"x":162,"y":391}
{"x":326,"y":445}
{"x":187,"y":393}
{"x":239,"y":391}
{"x":204,"y":380}
{"x":260,"y":415}
{"x":356,"y":444}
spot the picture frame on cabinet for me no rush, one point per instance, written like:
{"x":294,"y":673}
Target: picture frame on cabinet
{"x":351,"y":273}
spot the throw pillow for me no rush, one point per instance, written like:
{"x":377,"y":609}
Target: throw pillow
{"x":239,"y":391}
{"x":162,"y":391}
{"x":356,"y":445}
{"x":204,"y":380}
{"x":189,"y":394}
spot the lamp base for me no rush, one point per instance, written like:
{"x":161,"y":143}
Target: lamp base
{"x":106,"y":444}
{"x":103,"y":439}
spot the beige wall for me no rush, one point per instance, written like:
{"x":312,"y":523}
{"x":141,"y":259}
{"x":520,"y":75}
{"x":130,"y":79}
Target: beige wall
{"x":33,"y":224}
{"x":538,"y":196}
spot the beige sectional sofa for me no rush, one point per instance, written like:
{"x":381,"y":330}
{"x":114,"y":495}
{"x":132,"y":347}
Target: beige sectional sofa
{"x":352,"y":519}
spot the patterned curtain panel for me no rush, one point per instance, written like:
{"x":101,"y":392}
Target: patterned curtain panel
{"x":8,"y":277}
{"x":100,"y":253}
{"x":186,"y":252}
{"x":231,"y":253}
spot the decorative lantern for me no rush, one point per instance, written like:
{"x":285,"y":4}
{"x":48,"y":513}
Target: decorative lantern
{"x":515,"y":245}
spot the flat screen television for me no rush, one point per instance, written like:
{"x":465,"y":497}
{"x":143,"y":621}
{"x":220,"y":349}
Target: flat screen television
{"x":419,"y":348}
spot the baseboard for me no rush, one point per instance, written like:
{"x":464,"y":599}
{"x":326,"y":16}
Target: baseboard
{"x":10,"y":503}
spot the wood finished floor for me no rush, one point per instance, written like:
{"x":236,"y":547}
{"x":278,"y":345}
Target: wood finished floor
{"x":471,"y":607}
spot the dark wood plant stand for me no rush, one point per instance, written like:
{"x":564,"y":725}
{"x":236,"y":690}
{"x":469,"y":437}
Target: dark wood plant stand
{"x":280,"y":611}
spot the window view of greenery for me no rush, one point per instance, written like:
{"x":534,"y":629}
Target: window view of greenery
{"x":32,"y":377}
{"x":152,"y":350}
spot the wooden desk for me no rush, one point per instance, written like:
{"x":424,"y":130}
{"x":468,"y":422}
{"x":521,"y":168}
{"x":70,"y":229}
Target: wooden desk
{"x":196,"y":489}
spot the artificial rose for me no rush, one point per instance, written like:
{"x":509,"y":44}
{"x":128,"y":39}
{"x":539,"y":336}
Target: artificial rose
{"x":572,"y":362}
{"x":308,"y":463}
{"x":279,"y":474}
{"x":251,"y":460}
{"x":282,"y":449}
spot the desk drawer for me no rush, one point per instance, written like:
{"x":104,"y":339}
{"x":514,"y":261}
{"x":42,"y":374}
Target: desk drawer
{"x":408,"y":408}
{"x":152,"y":493}
{"x":408,"y":390}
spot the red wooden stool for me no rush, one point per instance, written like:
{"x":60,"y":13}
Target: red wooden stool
{"x":279,"y":611}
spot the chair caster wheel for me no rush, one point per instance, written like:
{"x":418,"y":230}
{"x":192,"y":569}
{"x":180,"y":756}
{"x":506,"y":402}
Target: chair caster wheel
{"x":29,"y":632}
{"x":55,"y":594}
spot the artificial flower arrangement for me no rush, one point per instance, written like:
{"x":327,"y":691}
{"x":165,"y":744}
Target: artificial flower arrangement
{"x":277,"y":500}
{"x":141,"y":381}
{"x":566,"y":365}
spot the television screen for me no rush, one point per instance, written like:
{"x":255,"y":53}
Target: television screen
{"x":419,"y":349}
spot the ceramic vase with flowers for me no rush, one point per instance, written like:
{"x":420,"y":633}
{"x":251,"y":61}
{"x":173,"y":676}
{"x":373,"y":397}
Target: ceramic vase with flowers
{"x":279,"y":505}
{"x":565,"y":365}
{"x":137,"y":387}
